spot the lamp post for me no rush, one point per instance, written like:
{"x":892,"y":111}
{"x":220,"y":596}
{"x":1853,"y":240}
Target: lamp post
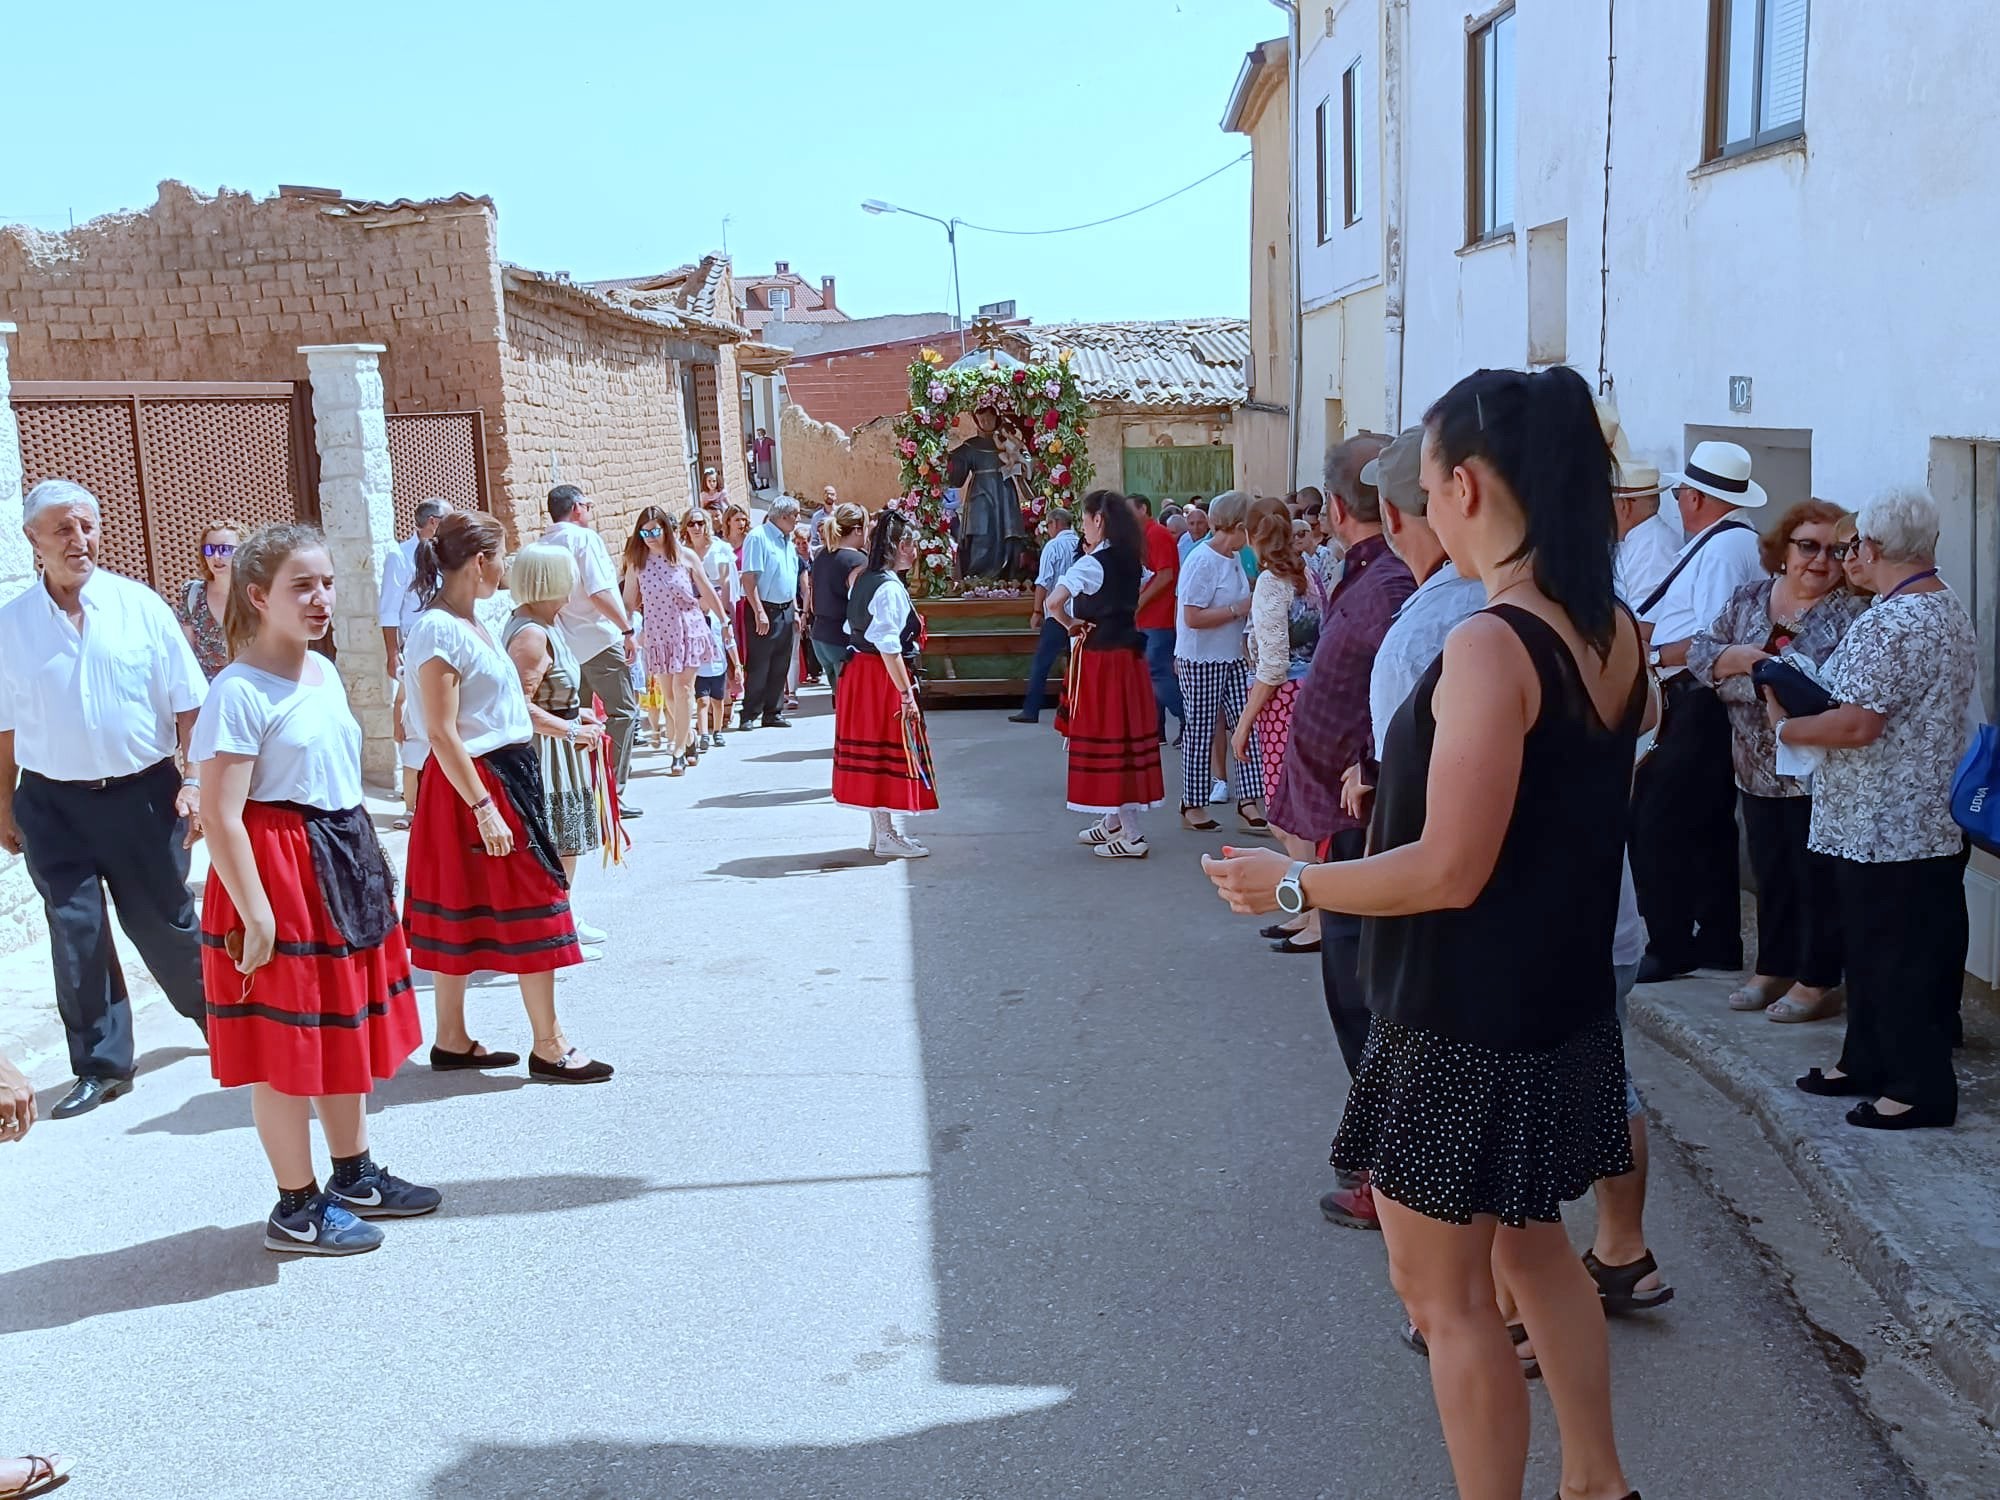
{"x":877,"y":206}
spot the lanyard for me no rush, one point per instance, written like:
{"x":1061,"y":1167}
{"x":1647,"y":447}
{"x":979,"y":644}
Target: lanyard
{"x":1913,"y":578}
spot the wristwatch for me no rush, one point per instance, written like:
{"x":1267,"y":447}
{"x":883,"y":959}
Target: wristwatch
{"x":1653,"y":658}
{"x":1292,"y":895}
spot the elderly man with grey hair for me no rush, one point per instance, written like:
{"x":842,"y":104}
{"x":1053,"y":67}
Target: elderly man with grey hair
{"x":98,"y":694}
{"x":770,"y":598}
{"x":1904,"y":684}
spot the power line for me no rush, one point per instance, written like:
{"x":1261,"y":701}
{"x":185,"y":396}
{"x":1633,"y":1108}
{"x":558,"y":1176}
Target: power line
{"x":1094,"y":223}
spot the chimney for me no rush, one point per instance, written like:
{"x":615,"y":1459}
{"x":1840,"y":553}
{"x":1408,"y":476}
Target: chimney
{"x":784,"y":268}
{"x":826,"y":293}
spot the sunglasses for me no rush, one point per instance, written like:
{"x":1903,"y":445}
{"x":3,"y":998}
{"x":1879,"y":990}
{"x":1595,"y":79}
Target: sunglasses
{"x":1841,"y":551}
{"x":218,"y":549}
{"x":1807,"y":546}
{"x":650,"y":533}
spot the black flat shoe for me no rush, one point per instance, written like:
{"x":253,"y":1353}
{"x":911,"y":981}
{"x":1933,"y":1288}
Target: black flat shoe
{"x":1276,"y":930}
{"x":1286,"y":945}
{"x":454,"y":1062}
{"x":1654,"y":969}
{"x":1868,"y":1117}
{"x":1812,"y":1081}
{"x":87,"y":1093}
{"x":1024,"y":719}
{"x":594,"y":1071}
{"x":778,"y":723}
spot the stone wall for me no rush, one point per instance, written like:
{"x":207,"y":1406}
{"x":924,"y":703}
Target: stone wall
{"x":863,"y":467}
{"x":229,"y":288}
{"x":592,"y":403}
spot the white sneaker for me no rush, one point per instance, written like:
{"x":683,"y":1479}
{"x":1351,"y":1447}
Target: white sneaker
{"x":1119,"y":849}
{"x":592,"y":955}
{"x":1097,"y":833}
{"x":895,"y":846}
{"x":1218,"y":794}
{"x":588,"y":935}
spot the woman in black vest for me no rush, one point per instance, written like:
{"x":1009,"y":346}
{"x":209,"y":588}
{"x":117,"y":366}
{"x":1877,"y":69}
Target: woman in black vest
{"x":881,"y":755}
{"x":1108,"y":713}
{"x":1492,"y":1089}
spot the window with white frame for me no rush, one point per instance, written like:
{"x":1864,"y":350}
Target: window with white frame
{"x":1489,"y":163}
{"x":1350,"y":134}
{"x":1323,"y":169}
{"x":1756,"y":74}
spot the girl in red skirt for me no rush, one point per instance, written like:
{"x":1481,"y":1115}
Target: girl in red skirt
{"x":881,"y":755}
{"x":1108,"y":715}
{"x":307,"y":975}
{"x":486,"y":886}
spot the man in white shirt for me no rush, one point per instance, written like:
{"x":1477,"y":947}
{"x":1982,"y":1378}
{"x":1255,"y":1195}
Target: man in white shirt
{"x":1058,"y":552}
{"x":1647,"y":541}
{"x":1684,"y":794}
{"x":98,"y":693}
{"x":770,"y":595}
{"x":596,"y":628}
{"x":397,"y":609}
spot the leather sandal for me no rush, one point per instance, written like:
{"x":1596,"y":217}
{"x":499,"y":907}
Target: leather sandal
{"x":1531,"y":1368}
{"x":1789,"y":1012}
{"x":1255,"y":822}
{"x":1619,"y":1285}
{"x":1206,"y":825}
{"x":45,"y":1472}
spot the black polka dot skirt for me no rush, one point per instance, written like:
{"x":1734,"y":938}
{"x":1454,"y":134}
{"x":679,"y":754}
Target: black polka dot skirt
{"x":1452,"y":1130}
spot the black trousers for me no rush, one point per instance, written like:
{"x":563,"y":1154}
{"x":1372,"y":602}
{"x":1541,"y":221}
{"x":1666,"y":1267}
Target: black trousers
{"x":1798,"y":907}
{"x":1906,"y":933}
{"x":126,"y":836}
{"x":767,"y":660}
{"x":1684,"y":834}
{"x":1340,"y":962}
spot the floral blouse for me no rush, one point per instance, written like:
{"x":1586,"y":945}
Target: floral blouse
{"x":211,"y":646}
{"x":1912,"y":659}
{"x":1746,"y":621}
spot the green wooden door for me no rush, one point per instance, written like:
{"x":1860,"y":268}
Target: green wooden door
{"x":1177,"y":473}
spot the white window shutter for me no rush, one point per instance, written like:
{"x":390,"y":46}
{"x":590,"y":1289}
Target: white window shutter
{"x":1784,"y":81}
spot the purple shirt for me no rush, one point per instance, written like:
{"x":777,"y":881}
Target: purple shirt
{"x":1331,"y":729}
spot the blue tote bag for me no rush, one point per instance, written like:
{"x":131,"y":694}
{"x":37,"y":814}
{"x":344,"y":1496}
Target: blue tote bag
{"x":1975,"y":790}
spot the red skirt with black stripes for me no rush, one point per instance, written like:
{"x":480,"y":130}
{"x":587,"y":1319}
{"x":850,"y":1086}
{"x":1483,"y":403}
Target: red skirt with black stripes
{"x":466,"y":910}
{"x":881,"y":758}
{"x":1110,"y":719}
{"x":322,"y":1017}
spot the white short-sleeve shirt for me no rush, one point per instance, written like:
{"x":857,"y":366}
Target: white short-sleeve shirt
{"x":1209,"y":580}
{"x":584,"y":628}
{"x":1724,"y":564}
{"x":492,"y":709}
{"x":303,"y":734}
{"x":889,"y":611}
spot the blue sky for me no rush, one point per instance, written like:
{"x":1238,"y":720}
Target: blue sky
{"x":616,"y":136}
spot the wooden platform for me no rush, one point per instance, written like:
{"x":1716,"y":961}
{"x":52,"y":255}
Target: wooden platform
{"x":978,"y":651}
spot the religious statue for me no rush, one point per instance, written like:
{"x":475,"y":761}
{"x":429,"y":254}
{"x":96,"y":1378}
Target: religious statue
{"x":989,"y":471}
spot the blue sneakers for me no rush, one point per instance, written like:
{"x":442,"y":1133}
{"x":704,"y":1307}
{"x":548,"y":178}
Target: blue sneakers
{"x":322,"y":1227}
{"x":377,"y":1195}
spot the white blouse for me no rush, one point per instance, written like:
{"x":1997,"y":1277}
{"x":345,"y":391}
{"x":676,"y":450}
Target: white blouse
{"x":888,"y":612}
{"x":1084,"y":576}
{"x":302,"y":733}
{"x":492,"y":710}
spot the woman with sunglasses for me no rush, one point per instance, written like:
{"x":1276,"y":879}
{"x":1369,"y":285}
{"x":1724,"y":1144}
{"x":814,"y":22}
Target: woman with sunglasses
{"x":1800,"y":610}
{"x":723,"y":669}
{"x":204,"y":599}
{"x":667,"y":584}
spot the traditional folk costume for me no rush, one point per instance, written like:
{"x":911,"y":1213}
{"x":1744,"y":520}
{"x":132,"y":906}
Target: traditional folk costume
{"x":1108,"y":713}
{"x":465,"y":909}
{"x":332,"y":1011}
{"x":881,"y":754}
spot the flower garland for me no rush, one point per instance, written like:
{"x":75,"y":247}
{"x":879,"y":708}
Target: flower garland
{"x":1040,"y":405}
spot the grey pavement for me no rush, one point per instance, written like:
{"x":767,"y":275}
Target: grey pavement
{"x":988,"y":1176}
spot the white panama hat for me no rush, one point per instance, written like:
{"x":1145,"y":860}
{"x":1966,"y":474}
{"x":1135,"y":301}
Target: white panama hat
{"x":1721,"y":471}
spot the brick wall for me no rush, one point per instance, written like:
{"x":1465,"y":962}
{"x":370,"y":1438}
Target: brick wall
{"x":852,"y":386}
{"x":588,"y":403}
{"x":229,"y":287}
{"x":863,"y":467}
{"x":729,"y":422}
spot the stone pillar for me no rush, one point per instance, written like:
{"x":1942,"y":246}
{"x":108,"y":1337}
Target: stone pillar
{"x":358,"y":513}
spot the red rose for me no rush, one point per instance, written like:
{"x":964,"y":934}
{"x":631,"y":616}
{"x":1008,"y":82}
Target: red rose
{"x":1020,"y":377}
{"x":1050,"y":418}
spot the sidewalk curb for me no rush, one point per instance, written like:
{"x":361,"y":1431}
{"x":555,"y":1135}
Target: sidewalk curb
{"x":1957,"y":1333}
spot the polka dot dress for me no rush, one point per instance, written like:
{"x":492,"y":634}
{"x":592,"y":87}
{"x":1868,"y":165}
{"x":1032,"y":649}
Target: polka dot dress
{"x":1451,"y":1130}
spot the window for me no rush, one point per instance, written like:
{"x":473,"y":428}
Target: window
{"x":1322,"y":186}
{"x":1350,"y":156}
{"x":1548,"y":293}
{"x":780,"y":298}
{"x":1489,"y":195}
{"x":1756,"y":74}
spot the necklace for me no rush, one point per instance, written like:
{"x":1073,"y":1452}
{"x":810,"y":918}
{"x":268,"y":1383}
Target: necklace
{"x":1913,"y":578}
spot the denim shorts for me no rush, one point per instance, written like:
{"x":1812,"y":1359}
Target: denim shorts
{"x":1626,"y":975}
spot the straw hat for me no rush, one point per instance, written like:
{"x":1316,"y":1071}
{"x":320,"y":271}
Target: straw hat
{"x":1722,"y":472}
{"x":1637,"y":482}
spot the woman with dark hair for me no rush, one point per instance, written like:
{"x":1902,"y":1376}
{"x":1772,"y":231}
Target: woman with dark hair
{"x":881,"y":755}
{"x":486,"y":888}
{"x":667,"y":585}
{"x":1492,"y":1086}
{"x":1108,"y":714}
{"x":1800,"y":610}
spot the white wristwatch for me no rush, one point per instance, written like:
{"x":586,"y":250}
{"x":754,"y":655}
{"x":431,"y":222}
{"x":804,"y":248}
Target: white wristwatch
{"x":1292,"y":895}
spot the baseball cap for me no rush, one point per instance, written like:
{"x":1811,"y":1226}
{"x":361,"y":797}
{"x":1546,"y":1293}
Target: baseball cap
{"x":1393,"y":472}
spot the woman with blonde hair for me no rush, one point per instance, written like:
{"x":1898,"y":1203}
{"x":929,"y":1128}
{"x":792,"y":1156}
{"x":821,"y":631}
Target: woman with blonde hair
{"x":541,"y":579}
{"x":1847,"y":552}
{"x":204,"y":599}
{"x":667,"y":584}
{"x":711,"y":681}
{"x":829,"y":578}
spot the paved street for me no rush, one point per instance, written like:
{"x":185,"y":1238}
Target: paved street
{"x":990,"y":1176}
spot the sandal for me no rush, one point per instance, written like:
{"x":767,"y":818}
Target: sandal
{"x":44,"y":1474}
{"x":1531,"y":1368}
{"x":1618,"y":1285}
{"x":1751,"y":996}
{"x":1256,"y":823}
{"x":1789,"y":1012}
{"x":400,"y":824}
{"x":1206,"y":825}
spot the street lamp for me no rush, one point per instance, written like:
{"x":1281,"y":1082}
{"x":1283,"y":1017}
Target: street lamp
{"x":877,"y":206}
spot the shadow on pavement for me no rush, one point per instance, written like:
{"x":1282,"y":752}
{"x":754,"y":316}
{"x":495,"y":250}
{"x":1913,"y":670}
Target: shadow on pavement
{"x":778,"y":866}
{"x":790,"y":757}
{"x":499,"y":1196}
{"x":189,"y":1267}
{"x":229,"y":1109}
{"x":787,"y":798}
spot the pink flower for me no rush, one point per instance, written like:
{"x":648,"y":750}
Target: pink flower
{"x":1052,"y":388}
{"x":936,"y":391}
{"x":909,"y":448}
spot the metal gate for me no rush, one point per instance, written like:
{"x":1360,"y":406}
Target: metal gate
{"x":436,"y":455}
{"x":165,"y":459}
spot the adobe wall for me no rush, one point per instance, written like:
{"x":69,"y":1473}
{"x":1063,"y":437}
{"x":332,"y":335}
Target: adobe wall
{"x":863,"y":467}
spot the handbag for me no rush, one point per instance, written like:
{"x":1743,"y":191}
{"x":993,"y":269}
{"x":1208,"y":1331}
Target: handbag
{"x":1975,"y":807}
{"x":1797,"y":694}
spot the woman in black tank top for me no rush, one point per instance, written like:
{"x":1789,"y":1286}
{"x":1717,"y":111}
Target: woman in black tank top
{"x":1492,"y":1090}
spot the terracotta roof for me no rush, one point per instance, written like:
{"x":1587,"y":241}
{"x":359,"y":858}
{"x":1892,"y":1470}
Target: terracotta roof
{"x":1188,"y":363}
{"x":653,"y":310}
{"x":370,"y":206}
{"x":692,"y":288}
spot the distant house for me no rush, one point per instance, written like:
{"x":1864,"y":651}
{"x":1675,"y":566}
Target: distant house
{"x":784,"y":296}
